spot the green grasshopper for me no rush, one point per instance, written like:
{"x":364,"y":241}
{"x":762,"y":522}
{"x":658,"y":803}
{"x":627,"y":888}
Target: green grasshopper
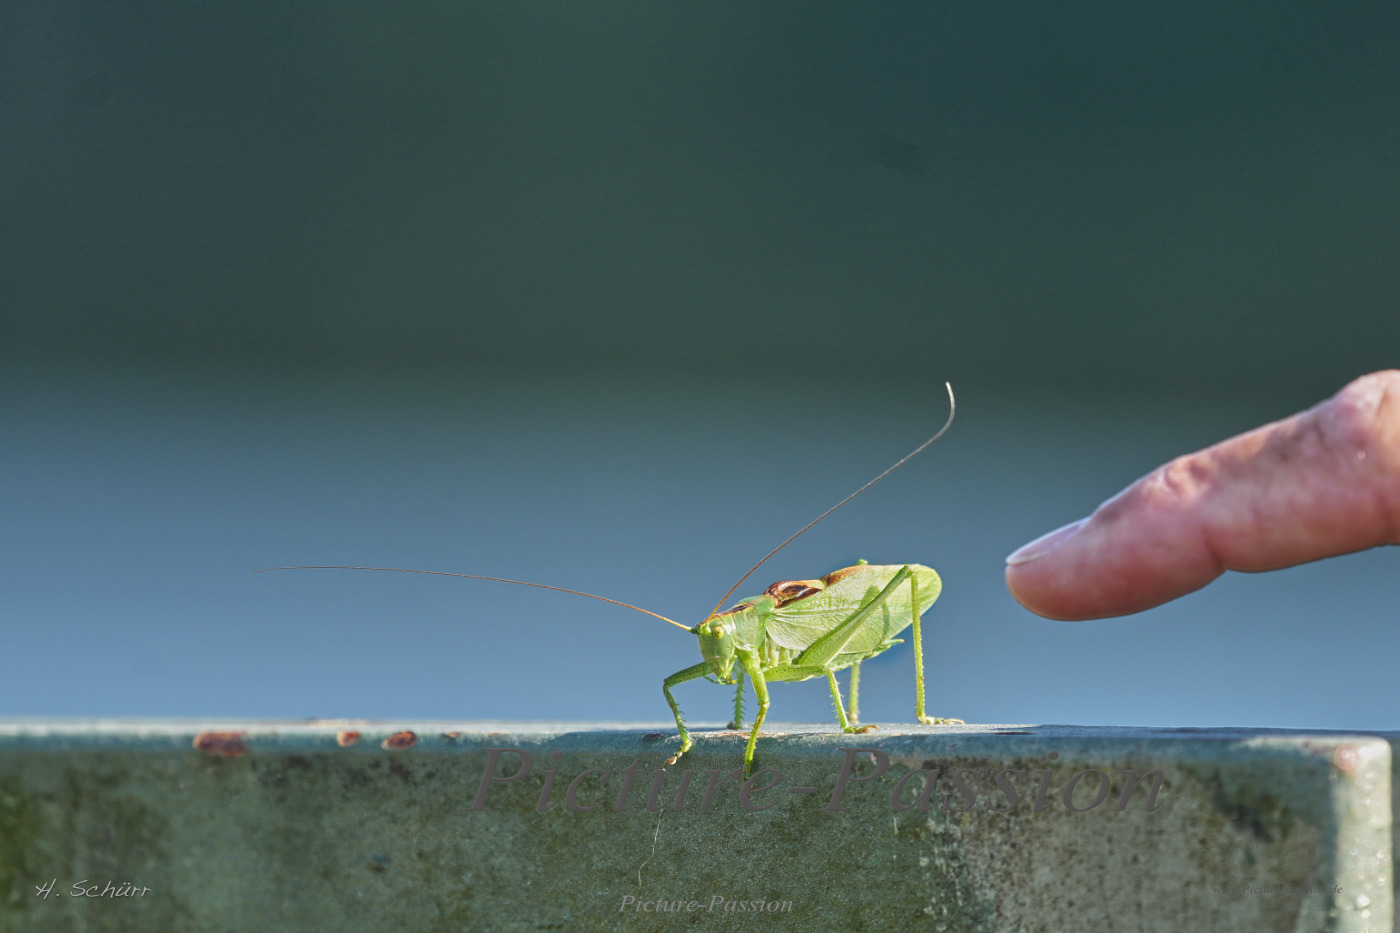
{"x":800,"y":629}
{"x":796,"y":630}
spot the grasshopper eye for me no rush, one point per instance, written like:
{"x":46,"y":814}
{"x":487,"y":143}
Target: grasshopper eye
{"x":719,"y":631}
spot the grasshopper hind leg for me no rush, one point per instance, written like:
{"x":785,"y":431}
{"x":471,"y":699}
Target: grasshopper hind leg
{"x":919,"y":713}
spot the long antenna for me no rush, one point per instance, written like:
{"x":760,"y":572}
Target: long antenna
{"x":472,"y":576}
{"x":952,"y":409}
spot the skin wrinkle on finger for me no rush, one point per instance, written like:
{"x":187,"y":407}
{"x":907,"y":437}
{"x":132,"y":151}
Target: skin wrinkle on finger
{"x":1388,"y":416}
{"x":1322,"y":482}
{"x":1328,"y":480}
{"x":1244,"y":531}
{"x":1325,"y":481}
{"x":1369,"y":414}
{"x":1319,"y":483}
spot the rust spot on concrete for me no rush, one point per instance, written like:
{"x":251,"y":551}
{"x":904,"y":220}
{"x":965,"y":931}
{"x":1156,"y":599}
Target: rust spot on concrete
{"x":1346,"y":759}
{"x":347,"y":738}
{"x":399,"y":741}
{"x":221,"y":744}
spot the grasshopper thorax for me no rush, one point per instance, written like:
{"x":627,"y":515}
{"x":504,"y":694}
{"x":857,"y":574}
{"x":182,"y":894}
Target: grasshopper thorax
{"x":723,"y":634}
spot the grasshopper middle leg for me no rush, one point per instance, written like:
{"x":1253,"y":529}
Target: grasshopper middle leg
{"x":855,"y":693}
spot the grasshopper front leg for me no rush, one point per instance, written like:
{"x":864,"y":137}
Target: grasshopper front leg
{"x":679,"y":677}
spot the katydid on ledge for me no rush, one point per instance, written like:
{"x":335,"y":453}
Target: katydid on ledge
{"x":796,"y":630}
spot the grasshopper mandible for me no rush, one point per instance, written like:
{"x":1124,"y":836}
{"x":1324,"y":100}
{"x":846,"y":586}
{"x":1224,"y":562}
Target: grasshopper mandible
{"x":795,"y":630}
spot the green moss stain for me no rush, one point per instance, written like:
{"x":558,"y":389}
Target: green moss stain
{"x":94,"y":817}
{"x":19,"y":828}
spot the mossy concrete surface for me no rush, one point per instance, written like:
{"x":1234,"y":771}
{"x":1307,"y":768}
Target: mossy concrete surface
{"x":399,"y":826}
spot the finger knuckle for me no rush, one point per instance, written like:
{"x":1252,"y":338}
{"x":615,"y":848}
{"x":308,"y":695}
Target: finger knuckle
{"x":1173,"y":486}
{"x":1363,"y":420}
{"x":1362,"y":426}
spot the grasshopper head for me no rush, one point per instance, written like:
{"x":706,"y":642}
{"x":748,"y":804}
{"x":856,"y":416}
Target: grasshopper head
{"x":717,"y":645}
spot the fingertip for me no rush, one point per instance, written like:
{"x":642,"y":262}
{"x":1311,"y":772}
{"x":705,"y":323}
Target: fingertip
{"x":1043,"y":574}
{"x":1037,"y":599}
{"x":1111,"y":564}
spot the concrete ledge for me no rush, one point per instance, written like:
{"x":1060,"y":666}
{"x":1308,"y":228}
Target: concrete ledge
{"x":358,"y":826}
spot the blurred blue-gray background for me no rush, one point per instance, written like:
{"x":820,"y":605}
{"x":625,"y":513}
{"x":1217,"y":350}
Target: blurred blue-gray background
{"x":616,"y":296}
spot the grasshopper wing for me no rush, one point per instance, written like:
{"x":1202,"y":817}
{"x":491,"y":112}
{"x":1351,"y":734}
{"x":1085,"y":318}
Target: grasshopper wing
{"x":800,"y":621}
